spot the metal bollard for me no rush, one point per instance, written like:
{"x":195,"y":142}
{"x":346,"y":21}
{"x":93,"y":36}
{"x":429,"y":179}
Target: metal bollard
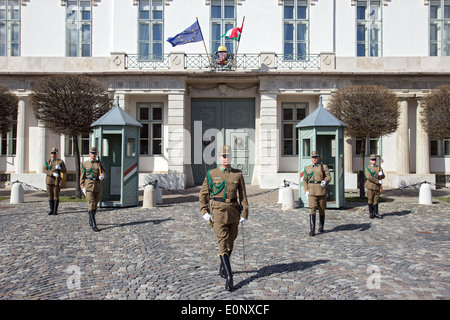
{"x":16,"y":193}
{"x":149,"y":200}
{"x":425,"y":194}
{"x":288,"y":199}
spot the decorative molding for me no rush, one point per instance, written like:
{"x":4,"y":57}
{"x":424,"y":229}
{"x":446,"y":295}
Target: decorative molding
{"x":221,"y":90}
{"x":166,"y":2}
{"x":426,"y":2}
{"x":64,"y":2}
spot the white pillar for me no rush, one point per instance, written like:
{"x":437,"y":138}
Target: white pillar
{"x":41,"y":147}
{"x":175,"y":144}
{"x":403,"y":139}
{"x":348,"y":154}
{"x":422,"y":145}
{"x":269,"y":134}
{"x":21,"y":136}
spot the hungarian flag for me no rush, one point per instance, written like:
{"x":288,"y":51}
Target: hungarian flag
{"x":234,"y":33}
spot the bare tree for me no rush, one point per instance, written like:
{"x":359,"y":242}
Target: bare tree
{"x":435,"y":114}
{"x":68,"y":104}
{"x":369,"y":112}
{"x":8,"y":109}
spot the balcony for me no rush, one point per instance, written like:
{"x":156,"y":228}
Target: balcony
{"x":244,"y":61}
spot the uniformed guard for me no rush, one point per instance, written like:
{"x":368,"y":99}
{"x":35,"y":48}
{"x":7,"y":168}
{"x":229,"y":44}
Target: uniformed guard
{"x":374,"y":181}
{"x":224,"y":184}
{"x":92,"y":174}
{"x":53,"y":168}
{"x":315,"y":180}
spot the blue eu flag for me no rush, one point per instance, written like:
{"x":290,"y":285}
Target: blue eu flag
{"x":191,"y":34}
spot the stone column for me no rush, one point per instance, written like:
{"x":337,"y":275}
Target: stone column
{"x":175,"y":141}
{"x":422,"y":145}
{"x":269,"y":136}
{"x":41,"y":145}
{"x":21,"y":136}
{"x":348,"y":154}
{"x":403,"y":139}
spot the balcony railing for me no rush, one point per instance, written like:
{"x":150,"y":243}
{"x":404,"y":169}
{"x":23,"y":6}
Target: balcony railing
{"x":244,"y":61}
{"x":151,"y":61}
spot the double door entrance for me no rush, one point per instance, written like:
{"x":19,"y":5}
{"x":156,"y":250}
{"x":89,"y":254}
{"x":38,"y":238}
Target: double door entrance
{"x":218,"y":122}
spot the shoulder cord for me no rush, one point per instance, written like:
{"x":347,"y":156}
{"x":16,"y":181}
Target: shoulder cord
{"x":216,"y":189}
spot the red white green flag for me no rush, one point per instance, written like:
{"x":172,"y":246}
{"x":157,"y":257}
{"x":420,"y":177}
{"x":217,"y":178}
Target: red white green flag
{"x":234,"y":33}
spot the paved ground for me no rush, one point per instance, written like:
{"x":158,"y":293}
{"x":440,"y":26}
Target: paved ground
{"x":169,"y":253}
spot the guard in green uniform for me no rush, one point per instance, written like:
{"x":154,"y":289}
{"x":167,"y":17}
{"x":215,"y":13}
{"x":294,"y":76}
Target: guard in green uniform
{"x":315,"y":180}
{"x":53,"y":168}
{"x":374,"y":181}
{"x":229,"y":207}
{"x":92,"y":174}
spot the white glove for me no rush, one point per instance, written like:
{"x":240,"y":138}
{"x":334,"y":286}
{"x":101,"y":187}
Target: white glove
{"x":380,"y":181}
{"x":102,"y":176}
{"x":207,"y":217}
{"x":84,"y":191}
{"x":380,"y":173}
{"x":55,"y":174}
{"x":58,"y":167}
{"x":242,"y":220}
{"x":323,"y":183}
{"x":307,"y":194}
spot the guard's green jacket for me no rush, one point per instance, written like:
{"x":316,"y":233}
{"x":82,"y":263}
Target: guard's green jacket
{"x":227,"y":185}
{"x":312,"y":176}
{"x":90,"y":172}
{"x":50,"y":167}
{"x":372,"y":177}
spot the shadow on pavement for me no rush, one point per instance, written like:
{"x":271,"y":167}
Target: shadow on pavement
{"x":277,"y":268}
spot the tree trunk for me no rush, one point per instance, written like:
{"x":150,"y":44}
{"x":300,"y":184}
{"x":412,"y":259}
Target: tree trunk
{"x":77,"y":168}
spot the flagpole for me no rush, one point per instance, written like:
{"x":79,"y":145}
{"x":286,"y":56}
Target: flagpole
{"x":207,"y":54}
{"x":237,"y":48}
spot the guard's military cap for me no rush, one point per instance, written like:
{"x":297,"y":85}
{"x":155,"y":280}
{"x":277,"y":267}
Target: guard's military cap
{"x":92,"y":150}
{"x":314,"y":154}
{"x":373,"y":157}
{"x":54,"y":150}
{"x":225,"y":150}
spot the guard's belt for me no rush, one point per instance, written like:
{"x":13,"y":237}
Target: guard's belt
{"x":93,"y":179}
{"x":225,"y":200}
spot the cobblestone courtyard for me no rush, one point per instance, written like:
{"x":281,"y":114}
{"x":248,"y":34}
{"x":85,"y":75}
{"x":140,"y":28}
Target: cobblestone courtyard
{"x":168,"y":252}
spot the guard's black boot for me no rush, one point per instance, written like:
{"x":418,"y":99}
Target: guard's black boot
{"x":51,"y":203}
{"x":371,"y":211}
{"x":92,"y":220}
{"x":228,"y":273}
{"x":55,"y":207}
{"x":312,"y":224}
{"x":375,"y":212}
{"x":222,"y":270}
{"x":321,"y":222}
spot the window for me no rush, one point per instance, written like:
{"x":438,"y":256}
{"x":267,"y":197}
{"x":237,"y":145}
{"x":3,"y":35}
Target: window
{"x":292,"y":114}
{"x":368,"y":28}
{"x":295,"y":29}
{"x":9,"y":28}
{"x":79,"y":28}
{"x":440,"y":28}
{"x":372,"y":146}
{"x":222,"y":19}
{"x":440,"y":148}
{"x":8,"y":142}
{"x":150,"y":33}
{"x":83,"y":145}
{"x":150,"y":115}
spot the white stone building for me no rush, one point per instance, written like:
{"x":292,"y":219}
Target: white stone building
{"x":291,"y":54}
